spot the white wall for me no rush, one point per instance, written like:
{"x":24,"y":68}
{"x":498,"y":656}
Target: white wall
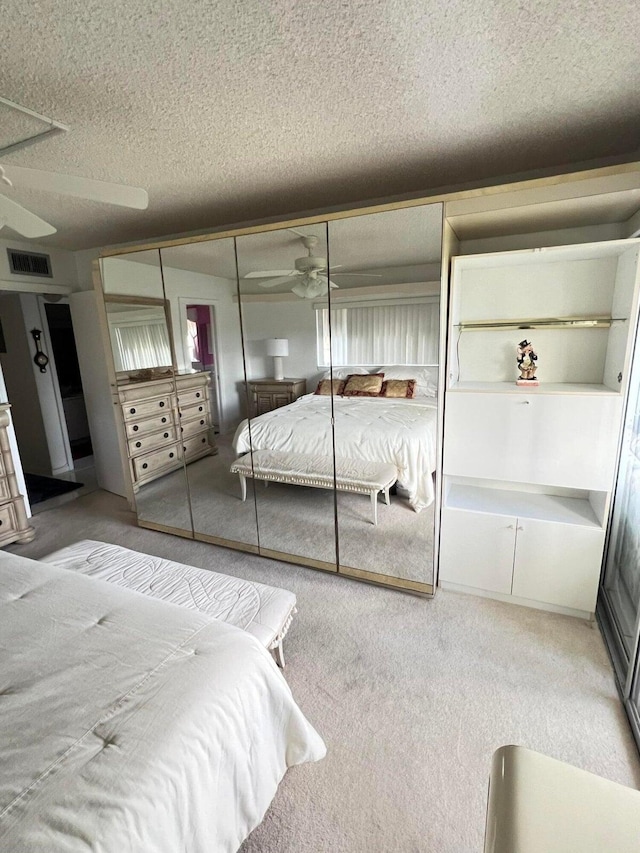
{"x":63,"y":267}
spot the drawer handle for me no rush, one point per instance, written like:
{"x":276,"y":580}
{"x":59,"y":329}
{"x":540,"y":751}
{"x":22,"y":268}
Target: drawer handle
{"x":201,"y":422}
{"x":180,"y":414}
{"x":524,"y":402}
{"x":136,"y":428}
{"x":197,"y":394}
{"x":204,"y":440}
{"x":171,"y":456}
{"x":510,"y":526}
{"x":138,"y":444}
{"x":132,"y":411}
{"x":162,"y":404}
{"x":166,"y":435}
{"x":184,"y":448}
{"x":200,"y":408}
{"x":145,"y":465}
{"x":164,"y":420}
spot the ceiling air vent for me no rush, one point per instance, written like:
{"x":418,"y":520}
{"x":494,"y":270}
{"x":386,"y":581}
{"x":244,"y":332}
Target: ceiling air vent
{"x":29,"y":263}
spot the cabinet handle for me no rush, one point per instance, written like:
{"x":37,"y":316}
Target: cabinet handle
{"x":204,"y":440}
{"x":200,"y":408}
{"x":162,"y":404}
{"x":510,"y":526}
{"x":166,"y":435}
{"x":138,"y":444}
{"x":144,"y":465}
{"x":136,"y":428}
{"x":519,"y":527}
{"x":171,"y":456}
{"x":201,"y":422}
{"x":524,"y":402}
{"x":198,"y":395}
{"x":164,"y":420}
{"x":132,"y":411}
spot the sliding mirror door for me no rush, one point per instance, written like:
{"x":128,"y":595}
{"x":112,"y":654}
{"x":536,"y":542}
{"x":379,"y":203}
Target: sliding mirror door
{"x":384,"y":321}
{"x":201,"y":291}
{"x":144,"y":389}
{"x":287,"y":440}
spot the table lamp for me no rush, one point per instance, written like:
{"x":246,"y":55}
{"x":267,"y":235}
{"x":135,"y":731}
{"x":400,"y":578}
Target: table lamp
{"x":277,"y":347}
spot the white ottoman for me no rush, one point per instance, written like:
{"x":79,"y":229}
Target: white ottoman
{"x":264,"y":611}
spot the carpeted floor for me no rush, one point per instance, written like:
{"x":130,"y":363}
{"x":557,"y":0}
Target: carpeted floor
{"x":411,"y":696}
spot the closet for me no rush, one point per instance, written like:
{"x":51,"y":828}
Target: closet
{"x":353,"y":296}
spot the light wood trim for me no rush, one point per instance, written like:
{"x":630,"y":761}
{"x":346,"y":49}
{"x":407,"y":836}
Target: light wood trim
{"x":225,"y":543}
{"x":439,"y":195}
{"x":165,"y":528}
{"x":389,"y":581}
{"x":298,"y":560}
{"x":134,"y":300}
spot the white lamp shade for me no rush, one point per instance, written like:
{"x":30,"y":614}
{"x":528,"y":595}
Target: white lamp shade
{"x":277,"y":346}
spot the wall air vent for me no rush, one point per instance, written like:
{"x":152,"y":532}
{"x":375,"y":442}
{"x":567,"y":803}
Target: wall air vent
{"x":29,"y":263}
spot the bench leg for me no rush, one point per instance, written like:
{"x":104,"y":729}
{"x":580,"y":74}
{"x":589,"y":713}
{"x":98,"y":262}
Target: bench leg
{"x":374,"y":505}
{"x":278,"y":654}
{"x":243,"y":486}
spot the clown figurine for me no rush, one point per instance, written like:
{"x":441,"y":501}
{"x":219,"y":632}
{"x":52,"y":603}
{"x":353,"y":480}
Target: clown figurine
{"x":527,"y":364}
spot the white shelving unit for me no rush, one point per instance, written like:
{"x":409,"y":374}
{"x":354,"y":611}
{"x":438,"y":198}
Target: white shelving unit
{"x":528,"y":471}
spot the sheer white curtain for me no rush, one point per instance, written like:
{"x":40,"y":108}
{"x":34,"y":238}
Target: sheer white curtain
{"x":380,"y":333}
{"x":138,"y":347}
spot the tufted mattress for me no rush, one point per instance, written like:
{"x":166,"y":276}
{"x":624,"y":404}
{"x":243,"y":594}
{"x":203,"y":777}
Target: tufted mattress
{"x":129,"y":724}
{"x":264,"y":611}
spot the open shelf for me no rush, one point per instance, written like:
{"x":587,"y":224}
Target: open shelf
{"x":543,"y":388}
{"x":543,"y":507}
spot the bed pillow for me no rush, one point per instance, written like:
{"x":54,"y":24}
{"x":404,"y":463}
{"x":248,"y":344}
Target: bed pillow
{"x":398,"y":388}
{"x":367,"y":385}
{"x":327,"y":387}
{"x":344,"y":372}
{"x":426,"y":385}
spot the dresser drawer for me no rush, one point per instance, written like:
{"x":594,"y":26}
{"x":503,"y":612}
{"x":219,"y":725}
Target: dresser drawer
{"x":8,"y":520}
{"x":154,"y":440}
{"x":191,"y":427}
{"x":146,"y":408}
{"x":192,"y":397}
{"x":158,"y":424}
{"x":151,"y":463}
{"x":195,"y":444}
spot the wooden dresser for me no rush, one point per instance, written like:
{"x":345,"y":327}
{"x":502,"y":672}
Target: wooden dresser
{"x":268,"y":394}
{"x":14,"y":525}
{"x":163,"y":428}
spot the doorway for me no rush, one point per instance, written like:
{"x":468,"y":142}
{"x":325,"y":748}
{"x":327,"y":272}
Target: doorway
{"x":63,"y":345}
{"x":202,"y":350}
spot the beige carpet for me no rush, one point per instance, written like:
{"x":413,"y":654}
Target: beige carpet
{"x":412,"y":697}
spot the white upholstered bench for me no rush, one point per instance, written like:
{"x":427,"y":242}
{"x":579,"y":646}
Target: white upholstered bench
{"x":310,"y":469}
{"x":264,"y":611}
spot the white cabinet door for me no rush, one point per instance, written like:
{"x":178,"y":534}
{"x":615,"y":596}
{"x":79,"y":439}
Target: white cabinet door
{"x":558,"y":563}
{"x":476,"y":549}
{"x":554,"y":439}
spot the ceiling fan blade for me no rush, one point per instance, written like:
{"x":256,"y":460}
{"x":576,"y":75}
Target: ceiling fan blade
{"x":103,"y":191}
{"x":271,"y":273}
{"x":366,"y":274}
{"x":274,"y":282}
{"x":22,"y":220}
{"x":332,"y":284}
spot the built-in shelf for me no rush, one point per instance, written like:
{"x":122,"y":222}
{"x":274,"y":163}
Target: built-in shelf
{"x":542,"y":388}
{"x":521,"y":504}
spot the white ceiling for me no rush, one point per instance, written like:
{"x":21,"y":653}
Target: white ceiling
{"x":231,"y":110}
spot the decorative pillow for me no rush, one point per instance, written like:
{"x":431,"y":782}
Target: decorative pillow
{"x":426,"y":385}
{"x":327,"y":387}
{"x":368,"y":385}
{"x":344,"y":372}
{"x":398,"y":388}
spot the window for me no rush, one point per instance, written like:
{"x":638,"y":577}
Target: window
{"x":141,"y":346}
{"x":380,"y":332}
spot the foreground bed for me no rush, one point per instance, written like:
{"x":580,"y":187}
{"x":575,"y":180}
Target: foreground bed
{"x":401,"y":432}
{"x":130,"y":724}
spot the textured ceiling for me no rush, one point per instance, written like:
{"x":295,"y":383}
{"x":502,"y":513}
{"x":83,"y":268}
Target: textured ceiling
{"x":229,"y":111}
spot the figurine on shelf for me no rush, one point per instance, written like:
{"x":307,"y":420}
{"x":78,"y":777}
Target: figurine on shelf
{"x":527,"y":364}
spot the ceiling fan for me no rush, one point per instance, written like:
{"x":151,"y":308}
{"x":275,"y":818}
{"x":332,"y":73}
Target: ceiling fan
{"x":309,"y":277}
{"x":20,"y":219}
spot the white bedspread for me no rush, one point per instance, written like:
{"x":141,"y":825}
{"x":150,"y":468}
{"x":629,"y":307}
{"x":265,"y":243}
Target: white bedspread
{"x":399,"y":431}
{"x":128,"y":724}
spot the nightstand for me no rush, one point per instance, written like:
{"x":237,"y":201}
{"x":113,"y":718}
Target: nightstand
{"x":268,"y":394}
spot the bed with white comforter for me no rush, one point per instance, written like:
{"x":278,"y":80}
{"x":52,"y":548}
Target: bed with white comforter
{"x":376,"y":429}
{"x":129,"y":724}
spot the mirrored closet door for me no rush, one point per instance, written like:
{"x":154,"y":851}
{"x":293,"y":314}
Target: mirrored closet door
{"x":201,"y":292}
{"x":145,"y":392}
{"x":286,"y":443}
{"x":381,"y":338}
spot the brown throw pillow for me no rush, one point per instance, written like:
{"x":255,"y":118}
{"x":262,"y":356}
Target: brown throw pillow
{"x":328,"y":386}
{"x":398,"y":388}
{"x":367,"y":385}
